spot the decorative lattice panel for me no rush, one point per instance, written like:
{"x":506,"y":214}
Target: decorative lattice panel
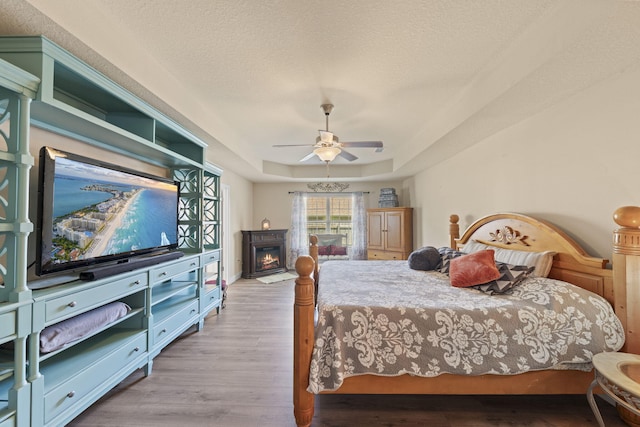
{"x":15,"y":163}
{"x":188,"y":209}
{"x":210,"y":186}
{"x":210,"y":233}
{"x":188,"y":236}
{"x":211,"y":210}
{"x":189,"y":180}
{"x":3,"y":260}
{"x":7,"y":178}
{"x":5,"y":120}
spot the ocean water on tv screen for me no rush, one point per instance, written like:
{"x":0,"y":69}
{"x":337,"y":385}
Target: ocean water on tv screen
{"x":150,"y":215}
{"x":148,"y":221}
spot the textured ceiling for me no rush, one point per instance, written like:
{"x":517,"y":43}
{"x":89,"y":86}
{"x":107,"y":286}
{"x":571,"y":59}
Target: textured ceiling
{"x":429,"y":78}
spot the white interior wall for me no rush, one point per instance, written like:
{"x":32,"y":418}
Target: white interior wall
{"x":572,"y":164}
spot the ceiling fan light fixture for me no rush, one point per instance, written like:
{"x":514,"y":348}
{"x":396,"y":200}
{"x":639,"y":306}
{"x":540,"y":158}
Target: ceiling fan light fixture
{"x":327,"y":154}
{"x":327,"y":137}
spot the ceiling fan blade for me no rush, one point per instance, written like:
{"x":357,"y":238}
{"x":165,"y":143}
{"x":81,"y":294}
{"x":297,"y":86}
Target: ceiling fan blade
{"x":347,"y":155}
{"x":364,"y":144}
{"x":292,"y":145}
{"x":307,"y":157}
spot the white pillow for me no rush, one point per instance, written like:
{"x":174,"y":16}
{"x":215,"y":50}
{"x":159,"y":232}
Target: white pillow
{"x":542,"y":261}
{"x":474,"y":246}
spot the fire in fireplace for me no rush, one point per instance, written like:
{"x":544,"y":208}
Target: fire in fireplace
{"x":267,"y":258}
{"x":264,"y":252}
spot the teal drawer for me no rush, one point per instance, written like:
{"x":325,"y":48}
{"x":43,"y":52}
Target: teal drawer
{"x":211,"y":298}
{"x":173,"y":324}
{"x":165,"y":272}
{"x":72,"y":304}
{"x":7,"y":325}
{"x":210,"y":257}
{"x":83,"y":382}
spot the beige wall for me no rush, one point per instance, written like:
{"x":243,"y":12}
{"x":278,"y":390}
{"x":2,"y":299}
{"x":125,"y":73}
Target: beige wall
{"x":273,"y":201}
{"x":572,"y":164}
{"x":241,"y":218}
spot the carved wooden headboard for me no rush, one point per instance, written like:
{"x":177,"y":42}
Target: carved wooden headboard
{"x":520,"y":232}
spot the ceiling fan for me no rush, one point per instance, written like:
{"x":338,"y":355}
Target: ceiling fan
{"x":328,"y":146}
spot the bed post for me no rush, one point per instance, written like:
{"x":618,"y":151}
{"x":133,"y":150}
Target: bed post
{"x":454,"y":231}
{"x":303,"y":311}
{"x":313,"y":253}
{"x":626,"y":274}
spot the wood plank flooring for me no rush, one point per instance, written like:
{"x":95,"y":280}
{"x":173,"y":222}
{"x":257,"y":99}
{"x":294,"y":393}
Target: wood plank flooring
{"x":236,"y":372}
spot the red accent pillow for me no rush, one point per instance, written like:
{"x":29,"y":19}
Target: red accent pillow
{"x":338,"y":250}
{"x":324,"y":250}
{"x":473,"y":269}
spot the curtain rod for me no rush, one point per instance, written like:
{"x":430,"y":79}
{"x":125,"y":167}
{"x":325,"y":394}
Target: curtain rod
{"x":331,"y":192}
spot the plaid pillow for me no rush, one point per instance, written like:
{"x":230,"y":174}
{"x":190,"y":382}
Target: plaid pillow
{"x":446,"y":255}
{"x":510,"y":276}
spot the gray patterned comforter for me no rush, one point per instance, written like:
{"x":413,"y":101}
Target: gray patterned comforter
{"x":381,"y":317}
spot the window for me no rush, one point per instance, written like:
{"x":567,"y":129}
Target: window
{"x":330,"y":215}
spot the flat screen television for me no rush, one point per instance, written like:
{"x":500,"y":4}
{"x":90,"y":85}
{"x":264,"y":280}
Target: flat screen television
{"x":92,"y":212}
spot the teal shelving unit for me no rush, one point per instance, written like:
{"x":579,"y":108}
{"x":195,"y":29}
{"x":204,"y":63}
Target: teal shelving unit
{"x":43,"y":85}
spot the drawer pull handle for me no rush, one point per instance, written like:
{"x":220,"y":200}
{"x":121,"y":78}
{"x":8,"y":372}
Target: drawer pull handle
{"x":193,"y":310}
{"x":163,"y":331}
{"x":72,"y":304}
{"x":164,"y":273}
{"x":71,"y":394}
{"x":193,"y":264}
{"x":137,"y":282}
{"x":136,"y":349}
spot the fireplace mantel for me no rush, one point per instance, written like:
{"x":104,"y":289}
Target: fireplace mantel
{"x":263,"y":252}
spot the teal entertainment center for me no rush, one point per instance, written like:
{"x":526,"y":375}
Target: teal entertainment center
{"x":43,"y":86}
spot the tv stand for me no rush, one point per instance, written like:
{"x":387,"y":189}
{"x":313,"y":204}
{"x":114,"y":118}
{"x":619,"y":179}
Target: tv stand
{"x":128,"y":265}
{"x":53,"y":280}
{"x":168,"y":293}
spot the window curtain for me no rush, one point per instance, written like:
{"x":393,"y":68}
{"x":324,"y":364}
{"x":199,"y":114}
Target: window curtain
{"x":298,"y":239}
{"x":359,"y":227}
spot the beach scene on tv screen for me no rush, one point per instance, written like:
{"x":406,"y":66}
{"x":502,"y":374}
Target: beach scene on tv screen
{"x":99,"y":211}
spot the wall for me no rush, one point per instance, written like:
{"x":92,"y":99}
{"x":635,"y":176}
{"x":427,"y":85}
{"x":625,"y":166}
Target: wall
{"x":241,"y":213}
{"x":572,"y":164}
{"x":273,"y":201}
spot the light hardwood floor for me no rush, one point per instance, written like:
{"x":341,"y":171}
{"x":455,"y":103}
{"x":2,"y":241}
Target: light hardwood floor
{"x":236,"y":372}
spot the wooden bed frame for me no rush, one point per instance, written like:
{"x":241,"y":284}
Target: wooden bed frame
{"x":621,"y":287}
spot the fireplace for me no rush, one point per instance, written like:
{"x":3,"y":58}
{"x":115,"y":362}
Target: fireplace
{"x":263,"y":253}
{"x":267,"y":258}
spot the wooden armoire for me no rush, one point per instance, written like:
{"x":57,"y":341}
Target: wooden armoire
{"x":389,"y":233}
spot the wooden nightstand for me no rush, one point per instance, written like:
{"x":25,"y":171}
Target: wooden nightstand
{"x":618,"y":374}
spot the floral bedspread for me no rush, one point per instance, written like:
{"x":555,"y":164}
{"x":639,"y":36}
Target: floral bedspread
{"x":383,"y":318}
